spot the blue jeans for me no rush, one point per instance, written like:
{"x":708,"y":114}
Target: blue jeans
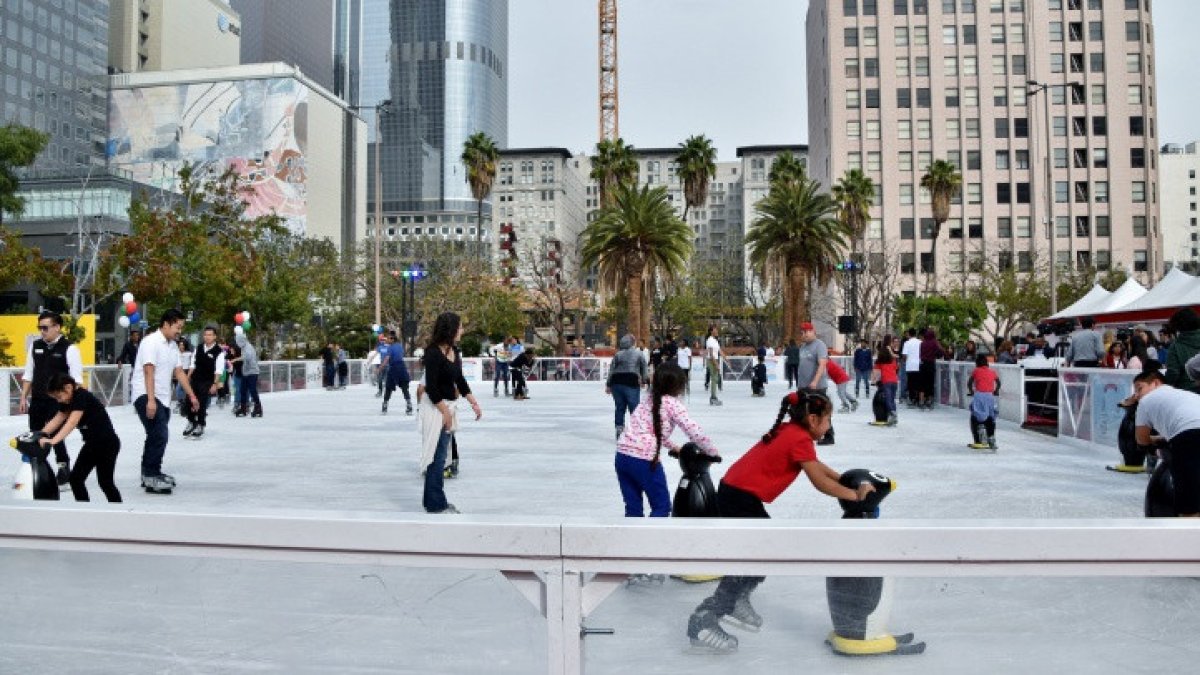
{"x":156,"y":435}
{"x":501,"y":375}
{"x":248,"y":390}
{"x":626,"y":398}
{"x":638,"y":477}
{"x":889,"y":396}
{"x":434,"y":497}
{"x":863,"y":376}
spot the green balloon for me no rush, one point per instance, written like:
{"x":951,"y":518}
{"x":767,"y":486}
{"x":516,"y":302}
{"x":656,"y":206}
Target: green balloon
{"x":246,"y":325}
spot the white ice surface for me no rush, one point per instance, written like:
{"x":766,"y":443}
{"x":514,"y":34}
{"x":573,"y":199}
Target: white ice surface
{"x":552,"y":456}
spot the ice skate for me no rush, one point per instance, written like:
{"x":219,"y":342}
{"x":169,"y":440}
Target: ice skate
{"x":743,"y":616}
{"x":645,"y":580}
{"x":257,"y":410}
{"x":450,"y":510}
{"x":992,"y":442}
{"x":64,"y":474}
{"x":239,"y":410}
{"x":853,"y":406}
{"x":198,"y":432}
{"x":891,"y":420}
{"x":408,"y":409}
{"x":707,"y":636}
{"x":844,"y":409}
{"x":385,"y":407}
{"x":157,"y":485}
{"x":191,"y":428}
{"x":451,"y":470}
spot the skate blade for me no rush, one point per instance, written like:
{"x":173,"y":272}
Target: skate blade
{"x":878,"y":424}
{"x":697,"y":578}
{"x":702,"y":649}
{"x":739,"y":625}
{"x":155,"y":491}
{"x":1126,"y":468}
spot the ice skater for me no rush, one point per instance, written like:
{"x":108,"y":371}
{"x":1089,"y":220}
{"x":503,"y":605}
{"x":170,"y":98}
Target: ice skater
{"x":49,"y":354}
{"x":521,"y":367}
{"x":758,"y":379}
{"x":157,"y":361}
{"x":79,"y":409}
{"x":208,"y":374}
{"x":841,"y":380}
{"x":248,"y":389}
{"x":983,"y":386}
{"x":758,"y":478}
{"x":626,"y":375}
{"x":397,"y":373}
{"x":444,"y":384}
{"x":887,"y":380}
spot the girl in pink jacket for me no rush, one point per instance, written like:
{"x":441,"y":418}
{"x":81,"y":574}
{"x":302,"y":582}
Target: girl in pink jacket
{"x":648,"y":429}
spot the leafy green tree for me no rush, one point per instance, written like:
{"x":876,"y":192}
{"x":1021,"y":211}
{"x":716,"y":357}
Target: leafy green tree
{"x":697,"y":160}
{"x":486,"y":305}
{"x":787,"y":168}
{"x":795,"y":241}
{"x":479,"y":157}
{"x":943,"y":181}
{"x":19,"y":147}
{"x":955,"y":316}
{"x":637,"y":237}
{"x":614,"y":164}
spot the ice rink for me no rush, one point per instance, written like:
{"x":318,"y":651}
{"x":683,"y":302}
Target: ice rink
{"x":552,"y":455}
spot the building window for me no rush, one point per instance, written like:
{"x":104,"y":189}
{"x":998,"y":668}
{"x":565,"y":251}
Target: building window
{"x":906,"y":194}
{"x":972,"y":127}
{"x":852,"y":68}
{"x":1003,"y":193}
{"x":852,"y":98}
{"x":1062,"y":227}
{"x":1002,"y":159}
{"x":1139,"y":261}
{"x":904,"y":129}
{"x":1100,"y":158}
{"x":1060,"y":158}
{"x":1137,"y":158}
{"x":920,"y":35}
{"x":1102,"y":227}
{"x":851,"y":37}
{"x":902,"y":66}
{"x":1098,"y":94}
{"x":1056,"y":31}
{"x":853,"y":129}
{"x":974,"y":193}
{"x":872,"y":98}
{"x":849,"y":7}
{"x":970,"y":97}
{"x":873,"y":129}
{"x":903,"y":98}
{"x":906,"y":160}
{"x":1139,"y":192}
{"x":1133,"y":31}
{"x":1062,"y":191}
{"x":998,"y":34}
{"x":974,"y":163}
{"x":950,"y":66}
{"x":1001,"y":127}
{"x":927,"y":226}
{"x":901,"y":36}
{"x":1004,"y":227}
{"x":970,"y":65}
{"x":999,"y":65}
{"x":1133,"y":94}
{"x":1024,"y":227}
{"x":1022,"y":193}
{"x":1056,"y":63}
{"x":952,"y":97}
{"x":871,"y":67}
{"x":922,"y":66}
{"x":907,"y":263}
{"x":1099,"y":125}
{"x":923,"y":129}
{"x":1137,"y":126}
{"x":1139,"y":226}
{"x":949,"y":35}
{"x":968,"y":34}
{"x":907,"y":229}
{"x":870,"y":36}
{"x":1100,"y":191}
{"x":1133,"y":63}
{"x":1096,"y":62}
{"x":1000,"y":96}
{"x":953,"y":129}
{"x":1096,"y":31}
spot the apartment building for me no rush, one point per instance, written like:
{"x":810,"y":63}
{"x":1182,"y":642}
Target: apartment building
{"x":1180,"y":235}
{"x":154,"y":35}
{"x":984,"y":84}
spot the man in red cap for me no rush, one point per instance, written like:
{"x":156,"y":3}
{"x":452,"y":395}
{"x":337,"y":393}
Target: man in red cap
{"x":811,"y":373}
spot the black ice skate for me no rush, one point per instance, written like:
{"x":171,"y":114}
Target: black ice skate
{"x":157,"y":485}
{"x":743,"y":616}
{"x":191,"y":428}
{"x":198,"y":432}
{"x":708,"y":637}
{"x":257,"y":410}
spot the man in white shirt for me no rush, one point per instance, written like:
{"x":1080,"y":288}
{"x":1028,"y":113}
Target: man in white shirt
{"x":1173,"y":414}
{"x":49,"y":354}
{"x":911,"y":354}
{"x":683,"y":356}
{"x":712,"y":362}
{"x":157,"y":361}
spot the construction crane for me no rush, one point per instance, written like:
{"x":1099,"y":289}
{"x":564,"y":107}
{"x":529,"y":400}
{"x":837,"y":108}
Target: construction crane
{"x":608,"y":70}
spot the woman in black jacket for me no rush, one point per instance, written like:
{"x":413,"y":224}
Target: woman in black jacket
{"x":444,"y":384}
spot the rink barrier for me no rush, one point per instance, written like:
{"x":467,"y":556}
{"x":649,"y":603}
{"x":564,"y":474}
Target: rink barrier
{"x":566,"y":568}
{"x":1087,"y":405}
{"x":950,"y":388}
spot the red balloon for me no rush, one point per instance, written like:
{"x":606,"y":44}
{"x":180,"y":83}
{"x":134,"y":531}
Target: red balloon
{"x":238,"y":318}
{"x":130,"y":307}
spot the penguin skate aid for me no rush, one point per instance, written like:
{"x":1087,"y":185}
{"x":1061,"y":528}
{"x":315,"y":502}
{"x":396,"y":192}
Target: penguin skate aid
{"x":758,"y":478}
{"x":859,"y":606}
{"x":35,"y":477}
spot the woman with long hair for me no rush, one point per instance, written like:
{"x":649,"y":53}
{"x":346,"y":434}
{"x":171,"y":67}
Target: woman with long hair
{"x":444,"y":384}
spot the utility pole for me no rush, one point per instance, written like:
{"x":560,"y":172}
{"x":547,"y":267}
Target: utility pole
{"x":381,"y":108}
{"x":1035,"y":88}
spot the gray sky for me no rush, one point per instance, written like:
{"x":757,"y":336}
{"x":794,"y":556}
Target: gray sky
{"x":730,"y":69}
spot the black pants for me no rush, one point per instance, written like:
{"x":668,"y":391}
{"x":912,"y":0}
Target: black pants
{"x":989,"y":426}
{"x":1085,"y":364}
{"x":518,"y":377}
{"x":101,"y":456}
{"x":928,"y":374}
{"x":394,"y":381}
{"x":792,"y":370}
{"x":199,"y":416}
{"x":41,"y":411}
{"x":733,"y":502}
{"x":1185,"y":471}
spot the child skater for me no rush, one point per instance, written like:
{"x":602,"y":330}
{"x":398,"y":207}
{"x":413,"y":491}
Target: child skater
{"x":887,"y":379}
{"x":78,"y":408}
{"x":984,"y":385}
{"x":758,"y":381}
{"x":759,"y":477}
{"x":842,"y":380}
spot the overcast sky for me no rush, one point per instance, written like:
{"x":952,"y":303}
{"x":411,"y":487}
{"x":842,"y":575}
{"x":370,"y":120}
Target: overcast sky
{"x":730,"y":69}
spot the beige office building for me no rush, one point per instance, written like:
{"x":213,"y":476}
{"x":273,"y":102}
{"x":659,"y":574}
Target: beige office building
{"x":152,"y":35}
{"x":895,"y":84}
{"x":1180,"y":234}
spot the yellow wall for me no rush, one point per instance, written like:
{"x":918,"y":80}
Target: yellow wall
{"x":21,"y":330}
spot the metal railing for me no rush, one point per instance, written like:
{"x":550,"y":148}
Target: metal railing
{"x":566,"y":568}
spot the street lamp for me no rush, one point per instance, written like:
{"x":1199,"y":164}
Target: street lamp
{"x":380,"y":108}
{"x":1033,"y":88}
{"x":407,"y":279}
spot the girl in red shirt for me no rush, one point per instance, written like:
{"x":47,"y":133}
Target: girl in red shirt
{"x":761,"y":475}
{"x":887,"y":378}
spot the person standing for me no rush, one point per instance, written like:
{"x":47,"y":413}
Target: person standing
{"x":444,"y":384}
{"x":208,"y":374}
{"x":328,"y":366}
{"x":500,"y":366}
{"x":397,"y":373}
{"x":791,"y":361}
{"x":248,"y":390}
{"x":343,"y":366}
{"x":862,"y":367}
{"x":712,"y":365}
{"x":910,"y":375}
{"x":380,"y":355}
{"x":514,"y":350}
{"x":79,"y":409}
{"x":683,"y":357}
{"x":1087,"y":346}
{"x":931,"y":351}
{"x":157,"y":361}
{"x":626,"y":375}
{"x":813,"y":368}
{"x":129,"y":352}
{"x":49,"y":354}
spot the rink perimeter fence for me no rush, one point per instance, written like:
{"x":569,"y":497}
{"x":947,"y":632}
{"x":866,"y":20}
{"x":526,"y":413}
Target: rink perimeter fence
{"x":1085,"y":403}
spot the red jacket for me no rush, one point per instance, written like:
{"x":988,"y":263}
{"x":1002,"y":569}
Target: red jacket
{"x":836,"y":372}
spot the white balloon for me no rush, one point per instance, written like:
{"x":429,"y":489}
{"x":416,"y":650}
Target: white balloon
{"x":245,"y":314}
{"x":375,"y":327}
{"x":123,"y":321}
{"x":127,"y":298}
{"x":238,"y":330}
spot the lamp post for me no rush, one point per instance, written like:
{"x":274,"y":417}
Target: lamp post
{"x":407,"y":278}
{"x":380,"y":108}
{"x":1034,"y":88}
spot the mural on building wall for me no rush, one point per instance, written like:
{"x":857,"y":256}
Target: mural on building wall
{"x":258,"y":127}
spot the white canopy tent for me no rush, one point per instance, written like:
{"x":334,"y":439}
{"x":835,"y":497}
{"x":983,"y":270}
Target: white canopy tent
{"x":1170,"y":292}
{"x":1085,"y":305}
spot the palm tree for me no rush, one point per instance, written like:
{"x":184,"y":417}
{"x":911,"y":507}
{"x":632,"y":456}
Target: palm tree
{"x":943,"y":181}
{"x":854,"y":195}
{"x":479,"y":156}
{"x":797,"y":239}
{"x":787,"y":168}
{"x":635,"y":238}
{"x":613,"y":164}
{"x":697,"y":160}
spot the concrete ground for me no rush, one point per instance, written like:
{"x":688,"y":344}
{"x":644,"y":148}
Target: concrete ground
{"x":552,"y":456}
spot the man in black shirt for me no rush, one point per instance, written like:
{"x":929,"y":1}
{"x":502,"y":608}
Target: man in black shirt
{"x":208,"y":371}
{"x":49,"y":354}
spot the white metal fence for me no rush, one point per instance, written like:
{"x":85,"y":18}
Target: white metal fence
{"x":567,"y":568}
{"x":1087,"y":403}
{"x":951,"y":388}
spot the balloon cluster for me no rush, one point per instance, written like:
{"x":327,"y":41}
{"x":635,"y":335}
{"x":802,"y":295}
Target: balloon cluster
{"x":130,"y":314}
{"x":242,"y":321}
{"x":377,"y":329}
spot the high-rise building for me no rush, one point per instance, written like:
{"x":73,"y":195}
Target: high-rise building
{"x":1178,"y":169}
{"x":152,"y":35}
{"x":300,"y":34}
{"x":347,"y":49}
{"x":443,"y":66}
{"x":539,"y":198}
{"x":54,"y":74}
{"x":894,"y":85}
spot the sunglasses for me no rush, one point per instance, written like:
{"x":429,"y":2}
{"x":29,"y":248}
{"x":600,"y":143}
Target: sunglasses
{"x":45,"y":327}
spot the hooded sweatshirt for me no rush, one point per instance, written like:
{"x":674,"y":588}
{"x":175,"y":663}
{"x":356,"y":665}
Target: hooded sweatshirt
{"x":931,"y":350}
{"x":249,"y":356}
{"x":1183,"y":347}
{"x":628,"y":365}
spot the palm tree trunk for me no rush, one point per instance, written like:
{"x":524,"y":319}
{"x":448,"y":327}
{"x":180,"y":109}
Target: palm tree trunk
{"x":634,"y":290}
{"x":799,"y":295}
{"x":479,"y":230}
{"x":788,"y":303}
{"x":932,"y":261}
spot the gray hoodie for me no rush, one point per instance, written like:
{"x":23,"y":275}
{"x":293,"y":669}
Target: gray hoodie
{"x":249,"y":355}
{"x":628,"y":365}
